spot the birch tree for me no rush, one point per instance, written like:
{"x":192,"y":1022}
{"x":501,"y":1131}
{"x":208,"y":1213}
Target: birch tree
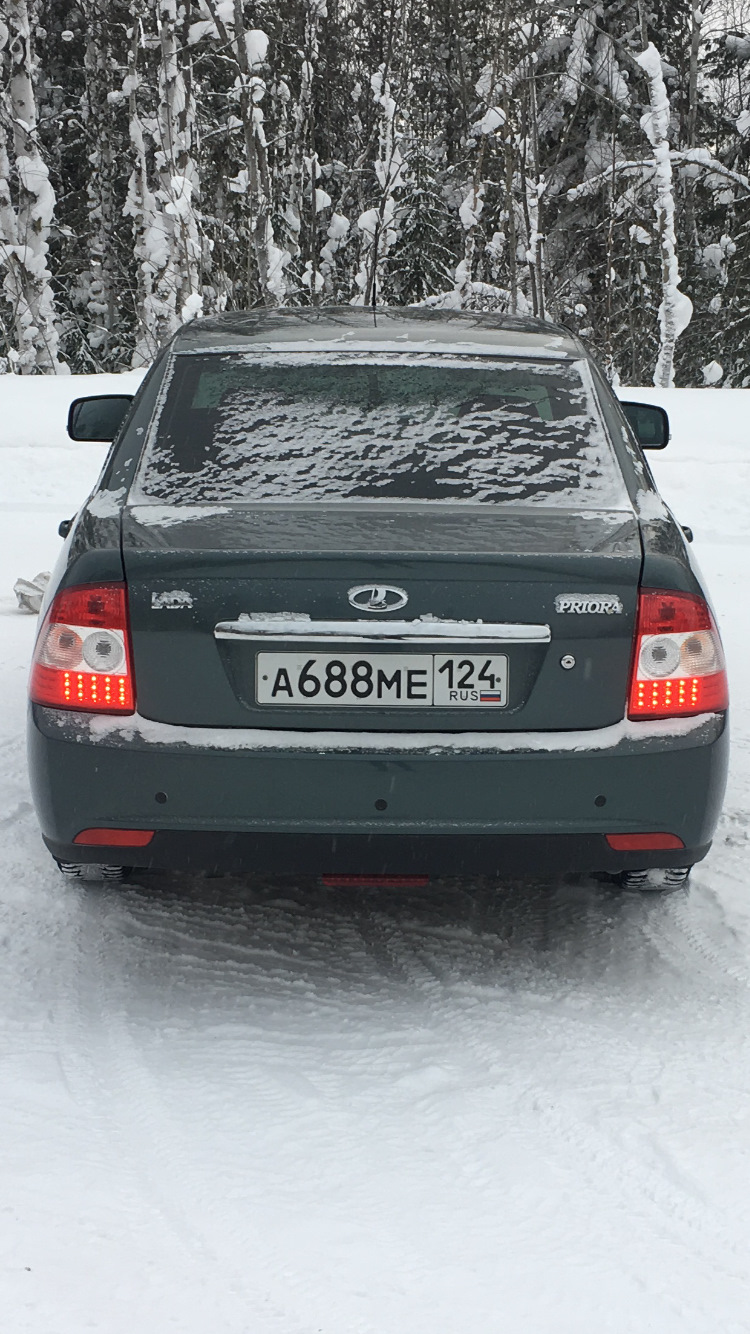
{"x":25,"y":224}
{"x":676,"y":307}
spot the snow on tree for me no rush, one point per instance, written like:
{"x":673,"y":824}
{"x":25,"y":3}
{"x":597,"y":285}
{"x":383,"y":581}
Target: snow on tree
{"x":156,"y":294}
{"x":177,"y":170}
{"x":497,"y":161}
{"x":98,"y":108}
{"x":420,"y":264}
{"x":676,"y":307}
{"x":376,"y":225}
{"x":305,"y":200}
{"x":248,"y":50}
{"x":25,"y":225}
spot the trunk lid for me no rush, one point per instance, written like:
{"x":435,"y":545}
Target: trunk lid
{"x":189,"y":570}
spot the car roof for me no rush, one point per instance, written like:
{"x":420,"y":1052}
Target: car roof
{"x":382,"y":327}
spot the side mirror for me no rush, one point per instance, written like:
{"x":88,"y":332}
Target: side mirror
{"x":650,"y":424}
{"x":98,"y":418}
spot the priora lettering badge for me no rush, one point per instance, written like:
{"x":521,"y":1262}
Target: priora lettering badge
{"x":588,"y":604}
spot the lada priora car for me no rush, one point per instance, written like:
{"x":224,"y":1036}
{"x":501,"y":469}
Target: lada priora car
{"x":380,"y":594}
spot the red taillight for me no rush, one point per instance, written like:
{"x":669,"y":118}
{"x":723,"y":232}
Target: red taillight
{"x":643,"y":842}
{"x":678,"y":662}
{"x":114,"y":838}
{"x":82,"y":658}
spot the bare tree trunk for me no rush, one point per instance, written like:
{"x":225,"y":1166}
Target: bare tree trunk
{"x":303,"y":142}
{"x":101,"y":304}
{"x":536,"y":193}
{"x":510,"y":165}
{"x":699,"y":8}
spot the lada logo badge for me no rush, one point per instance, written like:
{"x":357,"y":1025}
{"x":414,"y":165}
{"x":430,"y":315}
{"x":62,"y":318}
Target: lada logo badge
{"x":377,"y":597}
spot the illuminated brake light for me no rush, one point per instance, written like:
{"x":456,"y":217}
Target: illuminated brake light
{"x":678,"y":662}
{"x":82,"y":657}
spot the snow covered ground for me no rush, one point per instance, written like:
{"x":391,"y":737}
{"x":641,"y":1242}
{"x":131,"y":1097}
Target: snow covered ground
{"x":246,"y":1111}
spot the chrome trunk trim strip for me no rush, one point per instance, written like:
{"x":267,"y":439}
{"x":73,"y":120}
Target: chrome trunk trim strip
{"x":279,"y":628}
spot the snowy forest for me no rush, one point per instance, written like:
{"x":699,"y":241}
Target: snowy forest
{"x":586,"y":163}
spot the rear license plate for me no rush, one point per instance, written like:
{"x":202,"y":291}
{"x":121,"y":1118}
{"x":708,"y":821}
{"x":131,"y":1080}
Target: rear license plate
{"x":405,"y":680}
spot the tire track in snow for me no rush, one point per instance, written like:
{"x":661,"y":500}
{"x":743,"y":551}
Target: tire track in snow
{"x":156,"y":1145}
{"x":722,"y":960}
{"x":652,"y":1187}
{"x":131,"y":1118}
{"x":454,"y":994}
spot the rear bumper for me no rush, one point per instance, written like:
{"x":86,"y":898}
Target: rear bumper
{"x":378,"y":854}
{"x":313,"y":803}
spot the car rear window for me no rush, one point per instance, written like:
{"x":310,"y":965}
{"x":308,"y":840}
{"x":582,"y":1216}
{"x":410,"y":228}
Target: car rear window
{"x":296,"y":427}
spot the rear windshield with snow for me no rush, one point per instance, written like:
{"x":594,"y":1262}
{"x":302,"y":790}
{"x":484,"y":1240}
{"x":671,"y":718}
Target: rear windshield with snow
{"x":296,"y":427}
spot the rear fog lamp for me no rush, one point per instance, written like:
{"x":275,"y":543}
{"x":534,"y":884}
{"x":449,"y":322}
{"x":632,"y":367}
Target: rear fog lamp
{"x":375,"y":881}
{"x":643,"y":842}
{"x":678,"y":662}
{"x":114,"y":838}
{"x":82,"y":658}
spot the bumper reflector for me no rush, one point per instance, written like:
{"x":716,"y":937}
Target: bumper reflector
{"x":375,"y":881}
{"x":114,"y":838}
{"x":643,"y":842}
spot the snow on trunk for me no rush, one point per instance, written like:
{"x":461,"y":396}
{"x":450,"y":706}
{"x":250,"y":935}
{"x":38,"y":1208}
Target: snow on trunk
{"x":676,"y":308}
{"x":25,"y":228}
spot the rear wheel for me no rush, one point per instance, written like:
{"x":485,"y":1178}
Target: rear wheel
{"x":673,"y":877}
{"x":93,"y":871}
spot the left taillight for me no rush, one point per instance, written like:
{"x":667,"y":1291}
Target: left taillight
{"x":82,"y":658}
{"x":678,"y":663}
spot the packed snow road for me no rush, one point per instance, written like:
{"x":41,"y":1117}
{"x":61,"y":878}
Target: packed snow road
{"x":281,"y":1110}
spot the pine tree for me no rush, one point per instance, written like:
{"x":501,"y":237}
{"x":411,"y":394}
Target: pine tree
{"x":421,"y":264}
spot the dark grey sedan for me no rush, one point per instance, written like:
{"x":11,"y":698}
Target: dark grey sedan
{"x":377,"y":596}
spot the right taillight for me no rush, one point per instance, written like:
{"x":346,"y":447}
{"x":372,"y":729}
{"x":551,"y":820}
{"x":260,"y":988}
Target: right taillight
{"x":678,"y":662}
